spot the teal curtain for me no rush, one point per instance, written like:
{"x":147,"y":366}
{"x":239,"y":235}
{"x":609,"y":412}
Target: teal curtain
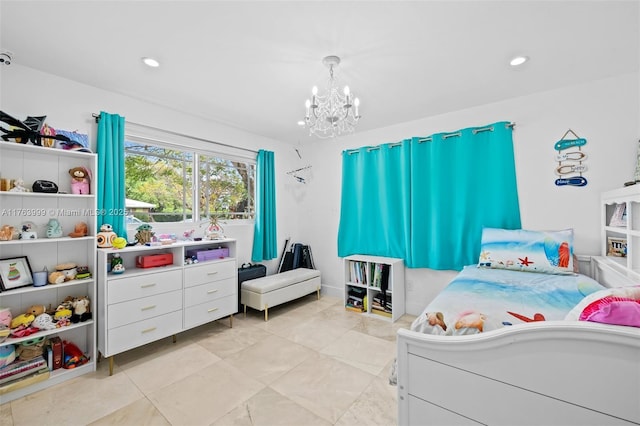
{"x":426,"y":200}
{"x":375,"y":203}
{"x":110,"y":150}
{"x":460,"y":182}
{"x":265,"y":236}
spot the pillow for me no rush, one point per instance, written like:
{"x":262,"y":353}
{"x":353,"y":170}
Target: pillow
{"x":547,"y":252}
{"x":619,"y":306}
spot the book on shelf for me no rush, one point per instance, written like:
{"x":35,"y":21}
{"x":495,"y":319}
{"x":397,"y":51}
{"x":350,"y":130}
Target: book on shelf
{"x":33,"y":377}
{"x":18,"y":369}
{"x":616,"y":246}
{"x":353,"y":308}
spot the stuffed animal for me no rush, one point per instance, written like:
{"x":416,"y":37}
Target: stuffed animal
{"x":36,"y":310}
{"x":62,"y":317}
{"x":43,"y":321}
{"x":56,"y":277}
{"x":80,"y":230}
{"x":119,"y":243}
{"x":81,"y":311}
{"x":68,"y":269}
{"x":22,"y":320}
{"x":80,"y":180}
{"x":5,"y":316}
{"x":144,"y":234}
{"x":6,"y":233}
{"x":7,"y":355}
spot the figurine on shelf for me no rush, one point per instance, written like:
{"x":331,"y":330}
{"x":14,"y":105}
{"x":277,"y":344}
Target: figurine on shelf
{"x":18,"y":186}
{"x":117,"y":267}
{"x":106,"y":236}
{"x":28,"y":231}
{"x":80,"y":230}
{"x":54,"y":229}
{"x":145,"y":234}
{"x":214,"y":231}
{"x":6,"y":233}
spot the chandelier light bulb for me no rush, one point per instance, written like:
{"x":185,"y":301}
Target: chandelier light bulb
{"x":346,"y":90}
{"x":314,"y":91}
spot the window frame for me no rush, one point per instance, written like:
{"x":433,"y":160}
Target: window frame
{"x":196,"y":147}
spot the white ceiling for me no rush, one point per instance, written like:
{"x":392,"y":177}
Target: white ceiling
{"x":251,"y":64}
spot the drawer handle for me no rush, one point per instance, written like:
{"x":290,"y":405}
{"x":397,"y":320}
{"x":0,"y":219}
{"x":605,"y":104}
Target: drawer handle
{"x":212,"y":273}
{"x":212,"y":309}
{"x":148,"y":330}
{"x":146,"y":308}
{"x":147,"y":285}
{"x":212,"y":291}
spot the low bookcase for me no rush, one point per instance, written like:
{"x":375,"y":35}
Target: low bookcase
{"x":374,"y":286}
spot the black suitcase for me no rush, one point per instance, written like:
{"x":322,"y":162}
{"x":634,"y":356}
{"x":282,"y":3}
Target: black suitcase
{"x":249,"y":271}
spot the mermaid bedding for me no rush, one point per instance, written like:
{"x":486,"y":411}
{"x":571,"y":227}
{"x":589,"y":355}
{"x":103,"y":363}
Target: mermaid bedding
{"x":478,"y":300}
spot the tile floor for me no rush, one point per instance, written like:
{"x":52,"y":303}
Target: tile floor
{"x":312,"y":363}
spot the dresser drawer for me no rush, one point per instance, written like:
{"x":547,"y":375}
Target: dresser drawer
{"x":131,"y":311}
{"x":140,"y":333}
{"x":209,"y":271}
{"x":209,"y":291}
{"x":210,"y":311}
{"x":129,"y":288}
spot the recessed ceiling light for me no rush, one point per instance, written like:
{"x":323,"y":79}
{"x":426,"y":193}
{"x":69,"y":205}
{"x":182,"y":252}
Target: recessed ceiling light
{"x":151,"y":62}
{"x":518,"y":60}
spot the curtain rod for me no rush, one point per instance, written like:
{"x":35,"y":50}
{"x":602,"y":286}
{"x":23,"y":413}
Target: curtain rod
{"x":476,"y":130}
{"x":444,"y":136}
{"x":97,"y":117}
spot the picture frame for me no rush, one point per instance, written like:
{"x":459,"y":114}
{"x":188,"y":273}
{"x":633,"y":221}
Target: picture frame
{"x":619,"y":216}
{"x":15,"y":272}
{"x":616,"y":247}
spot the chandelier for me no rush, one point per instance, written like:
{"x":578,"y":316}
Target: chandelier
{"x":333,"y":113}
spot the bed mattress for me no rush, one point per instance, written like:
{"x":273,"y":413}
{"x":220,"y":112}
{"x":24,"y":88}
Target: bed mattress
{"x":479,"y":299}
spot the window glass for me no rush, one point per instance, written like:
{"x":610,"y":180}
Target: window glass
{"x":162,"y":183}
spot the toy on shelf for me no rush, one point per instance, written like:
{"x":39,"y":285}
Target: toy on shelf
{"x":54,"y":229}
{"x":106,"y":236}
{"x":214,"y":231}
{"x":83,"y":273}
{"x":29,"y":130}
{"x":69,"y":270}
{"x":7,"y":355}
{"x":56,"y":277}
{"x":18,"y":186}
{"x":80,"y":180}
{"x":80,"y":230}
{"x":145,"y":234}
{"x":81,"y":309}
{"x":73,"y":356}
{"x":117,"y":267}
{"x":28,"y":231}
{"x":6,"y":233}
{"x":119,"y":243}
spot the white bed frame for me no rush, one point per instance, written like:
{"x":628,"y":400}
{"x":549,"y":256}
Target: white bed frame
{"x":550,"y":373}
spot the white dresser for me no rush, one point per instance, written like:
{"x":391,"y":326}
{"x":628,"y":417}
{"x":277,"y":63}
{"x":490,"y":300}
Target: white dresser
{"x":142,"y":305}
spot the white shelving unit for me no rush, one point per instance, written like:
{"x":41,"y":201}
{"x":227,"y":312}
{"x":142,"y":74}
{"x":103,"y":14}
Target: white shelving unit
{"x":361,"y":278}
{"x":627,"y":198}
{"x":30,"y":163}
{"x":142,"y":305}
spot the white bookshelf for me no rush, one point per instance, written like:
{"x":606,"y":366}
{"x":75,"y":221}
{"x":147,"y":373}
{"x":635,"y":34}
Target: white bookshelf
{"x":361,"y":278}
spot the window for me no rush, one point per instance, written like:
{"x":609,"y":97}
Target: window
{"x":162,"y":182}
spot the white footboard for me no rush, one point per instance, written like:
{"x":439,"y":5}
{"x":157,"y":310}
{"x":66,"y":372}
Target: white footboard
{"x":549,"y":373}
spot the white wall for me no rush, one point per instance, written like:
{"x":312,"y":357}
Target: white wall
{"x":605,"y":112}
{"x":69,"y":105}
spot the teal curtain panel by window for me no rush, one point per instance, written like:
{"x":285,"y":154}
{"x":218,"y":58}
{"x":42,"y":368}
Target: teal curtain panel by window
{"x":375,"y":203}
{"x":426,"y":200}
{"x":460,"y":183}
{"x":265,"y":235}
{"x":110,"y":150}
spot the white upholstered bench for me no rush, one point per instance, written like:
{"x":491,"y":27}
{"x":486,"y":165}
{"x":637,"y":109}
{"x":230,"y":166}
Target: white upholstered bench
{"x":263,"y":293}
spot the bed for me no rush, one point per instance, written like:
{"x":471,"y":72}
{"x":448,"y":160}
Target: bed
{"x":534,"y":358}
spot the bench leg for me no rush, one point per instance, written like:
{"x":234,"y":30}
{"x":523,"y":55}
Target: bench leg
{"x":266,"y":312}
